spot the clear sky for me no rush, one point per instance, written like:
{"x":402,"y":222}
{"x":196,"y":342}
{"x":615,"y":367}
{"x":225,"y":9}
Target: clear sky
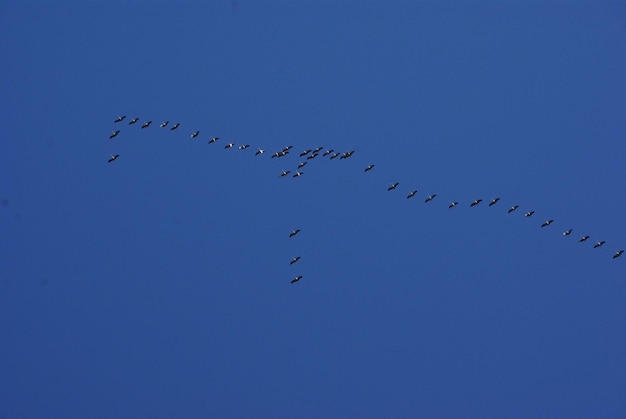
{"x":158,"y":286}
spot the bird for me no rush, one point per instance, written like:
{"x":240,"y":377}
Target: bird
{"x":114,"y":134}
{"x":277,"y":154}
{"x":567,"y":232}
{"x":133,"y":121}
{"x":370,"y":167}
{"x":327,"y":152}
{"x":285,"y":173}
{"x":583,"y":238}
{"x":244,"y":146}
{"x":294,"y":232}
{"x":294,"y":260}
{"x":176,"y":125}
{"x":146,"y":124}
{"x":453,"y":204}
{"x":120,"y":118}
{"x":305,"y":152}
{"x":513,"y":208}
{"x":334,"y":156}
{"x":312,"y":156}
{"x":302,"y":164}
{"x":430,"y":198}
{"x":529,"y":214}
{"x":164,"y":124}
{"x":195,"y":134}
{"x":287,"y":148}
{"x":318,"y":149}
{"x":298,"y":174}
{"x":598,"y":244}
{"x":296,"y":279}
{"x":214,"y":139}
{"x":618,"y":254}
{"x":283,"y":153}
{"x":411,"y":194}
{"x":113,"y":158}
{"x":494,"y":201}
{"x":476,"y":202}
{"x":547,"y":223}
{"x":394,"y":186}
{"x":259,"y":151}
{"x":229,"y":145}
{"x":346,"y":154}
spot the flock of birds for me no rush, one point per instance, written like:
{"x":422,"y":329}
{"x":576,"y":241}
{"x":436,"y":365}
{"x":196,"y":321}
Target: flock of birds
{"x":310,"y":154}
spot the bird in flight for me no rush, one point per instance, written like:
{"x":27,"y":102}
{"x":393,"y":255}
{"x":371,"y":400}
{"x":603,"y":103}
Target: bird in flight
{"x":346,"y":154}
{"x":285,"y":173}
{"x":334,"y":156}
{"x":294,"y":260}
{"x":618,"y":254}
{"x":312,"y":156}
{"x":302,"y":164}
{"x":476,"y":202}
{"x":298,"y":174}
{"x":547,"y":223}
{"x":411,"y":194}
{"x":327,"y":152}
{"x":296,"y":279}
{"x":133,"y":121}
{"x":114,"y":134}
{"x":370,"y":167}
{"x":567,"y":232}
{"x":494,"y":201}
{"x":229,"y":145}
{"x":529,"y":214}
{"x":305,"y":152}
{"x":513,"y":208}
{"x":164,"y":124}
{"x":394,"y":186}
{"x":259,"y":151}
{"x":287,"y":148}
{"x":146,"y":124}
{"x":583,"y":238}
{"x":214,"y":139}
{"x":176,"y":125}
{"x":453,"y":204}
{"x":294,"y":232}
{"x":318,"y":149}
{"x":120,"y":118}
{"x":598,"y":244}
{"x":244,"y":146}
{"x":195,"y":134}
{"x":430,"y":197}
{"x":113,"y":158}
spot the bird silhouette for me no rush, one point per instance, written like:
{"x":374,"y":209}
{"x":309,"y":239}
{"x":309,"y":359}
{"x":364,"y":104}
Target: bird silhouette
{"x":618,"y":254}
{"x":133,"y":121}
{"x":494,"y":201}
{"x":453,"y":204}
{"x":229,"y":145}
{"x":334,"y":156}
{"x":547,"y":223}
{"x":146,"y":124}
{"x":296,"y":279}
{"x":370,"y":167}
{"x":513,"y":208}
{"x":195,"y":134}
{"x":294,"y":232}
{"x":583,"y":238}
{"x":476,"y":202}
{"x":567,"y":232}
{"x":120,"y":118}
{"x":430,"y":197}
{"x":305,"y":152}
{"x":259,"y":151}
{"x":327,"y":152}
{"x":411,"y":194}
{"x":302,"y":164}
{"x":598,"y":244}
{"x":394,"y":186}
{"x":298,"y":174}
{"x":244,"y":146}
{"x":285,"y":173}
{"x":529,"y":214}
{"x":114,"y":134}
{"x":164,"y":124}
{"x":176,"y":125}
{"x":294,"y":260}
{"x":214,"y":139}
{"x":113,"y":158}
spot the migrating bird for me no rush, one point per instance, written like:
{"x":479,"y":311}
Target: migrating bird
{"x":285,"y":173}
{"x":430,"y":197}
{"x":195,"y":134}
{"x":294,"y":260}
{"x":327,"y":152}
{"x":529,"y":214}
{"x":244,"y":146}
{"x":277,"y":154}
{"x":146,"y":124}
{"x":294,"y":232}
{"x":133,"y":121}
{"x":305,"y":152}
{"x":583,"y":238}
{"x":176,"y":125}
{"x":318,"y":149}
{"x":370,"y":167}
{"x":120,"y":118}
{"x":411,"y":194}
{"x":296,"y":279}
{"x":298,"y":174}
{"x":214,"y":139}
{"x":567,"y":232}
{"x":547,"y":223}
{"x":164,"y":124}
{"x":598,"y":244}
{"x":476,"y":202}
{"x":229,"y":145}
{"x":346,"y":154}
{"x":302,"y":164}
{"x":618,"y":254}
{"x":287,"y":148}
{"x":453,"y":204}
{"x":513,"y":208}
{"x":494,"y":201}
{"x":260,"y":151}
{"x":114,"y":134}
{"x":113,"y":158}
{"x":334,"y":156}
{"x":394,"y":186}
{"x":312,"y":156}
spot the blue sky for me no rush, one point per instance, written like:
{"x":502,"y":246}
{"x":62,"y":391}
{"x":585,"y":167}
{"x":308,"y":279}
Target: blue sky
{"x":159,"y":285}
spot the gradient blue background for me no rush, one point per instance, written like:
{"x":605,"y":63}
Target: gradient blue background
{"x":158,"y":286}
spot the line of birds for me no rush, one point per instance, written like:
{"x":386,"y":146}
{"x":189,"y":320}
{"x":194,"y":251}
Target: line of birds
{"x":311,"y":154}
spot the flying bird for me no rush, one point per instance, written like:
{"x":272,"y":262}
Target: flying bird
{"x":164,"y":124}
{"x":318,"y":149}
{"x":259,"y":151}
{"x":120,"y":118}
{"x":453,"y":204}
{"x":618,"y":254}
{"x":394,"y":186}
{"x":334,"y":156}
{"x":294,"y":260}
{"x":370,"y":167}
{"x":296,"y":279}
{"x":229,"y":145}
{"x":305,"y":152}
{"x":146,"y":124}
{"x":285,"y":173}
{"x":430,"y":197}
{"x":298,"y":174}
{"x":476,"y":202}
{"x":195,"y":134}
{"x":312,"y":156}
{"x":114,"y":134}
{"x":411,"y":194}
{"x":244,"y":146}
{"x":513,"y":208}
{"x":176,"y":125}
{"x":583,"y":238}
{"x":302,"y":164}
{"x":547,"y":223}
{"x":598,"y":244}
{"x":294,"y":232}
{"x":567,"y":232}
{"x":346,"y":154}
{"x":113,"y":158}
{"x":529,"y":214}
{"x":133,"y":121}
{"x":287,"y":148}
{"x":494,"y":201}
{"x":327,"y":152}
{"x":214,"y":139}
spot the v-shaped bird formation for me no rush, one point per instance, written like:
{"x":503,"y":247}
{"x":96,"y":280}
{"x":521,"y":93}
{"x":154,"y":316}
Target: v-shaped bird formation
{"x":311,"y":154}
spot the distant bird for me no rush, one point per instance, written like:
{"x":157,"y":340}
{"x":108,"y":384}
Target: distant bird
{"x":453,"y":204}
{"x":195,"y":134}
{"x":296,"y":279}
{"x":277,"y":154}
{"x":164,"y":124}
{"x":476,"y":202}
{"x":318,"y":149}
{"x":120,"y":118}
{"x":229,"y":145}
{"x":370,"y":167}
{"x":283,"y":153}
{"x":302,"y":164}
{"x":529,"y":214}
{"x":294,"y":232}
{"x":513,"y":208}
{"x":430,"y":197}
{"x":114,"y":134}
{"x":583,"y":238}
{"x":411,"y":194}
{"x":334,"y":156}
{"x":285,"y":173}
{"x":146,"y":124}
{"x":305,"y":152}
{"x":294,"y":260}
{"x":244,"y":146}
{"x":494,"y":201}
{"x":298,"y":174}
{"x":618,"y":254}
{"x":259,"y":151}
{"x":133,"y":121}
{"x":214,"y":139}
{"x":547,"y":223}
{"x":598,"y":244}
{"x":113,"y":158}
{"x":312,"y":156}
{"x":567,"y":232}
{"x":394,"y":186}
{"x":287,"y":148}
{"x":327,"y":152}
{"x":176,"y":125}
{"x":346,"y":154}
